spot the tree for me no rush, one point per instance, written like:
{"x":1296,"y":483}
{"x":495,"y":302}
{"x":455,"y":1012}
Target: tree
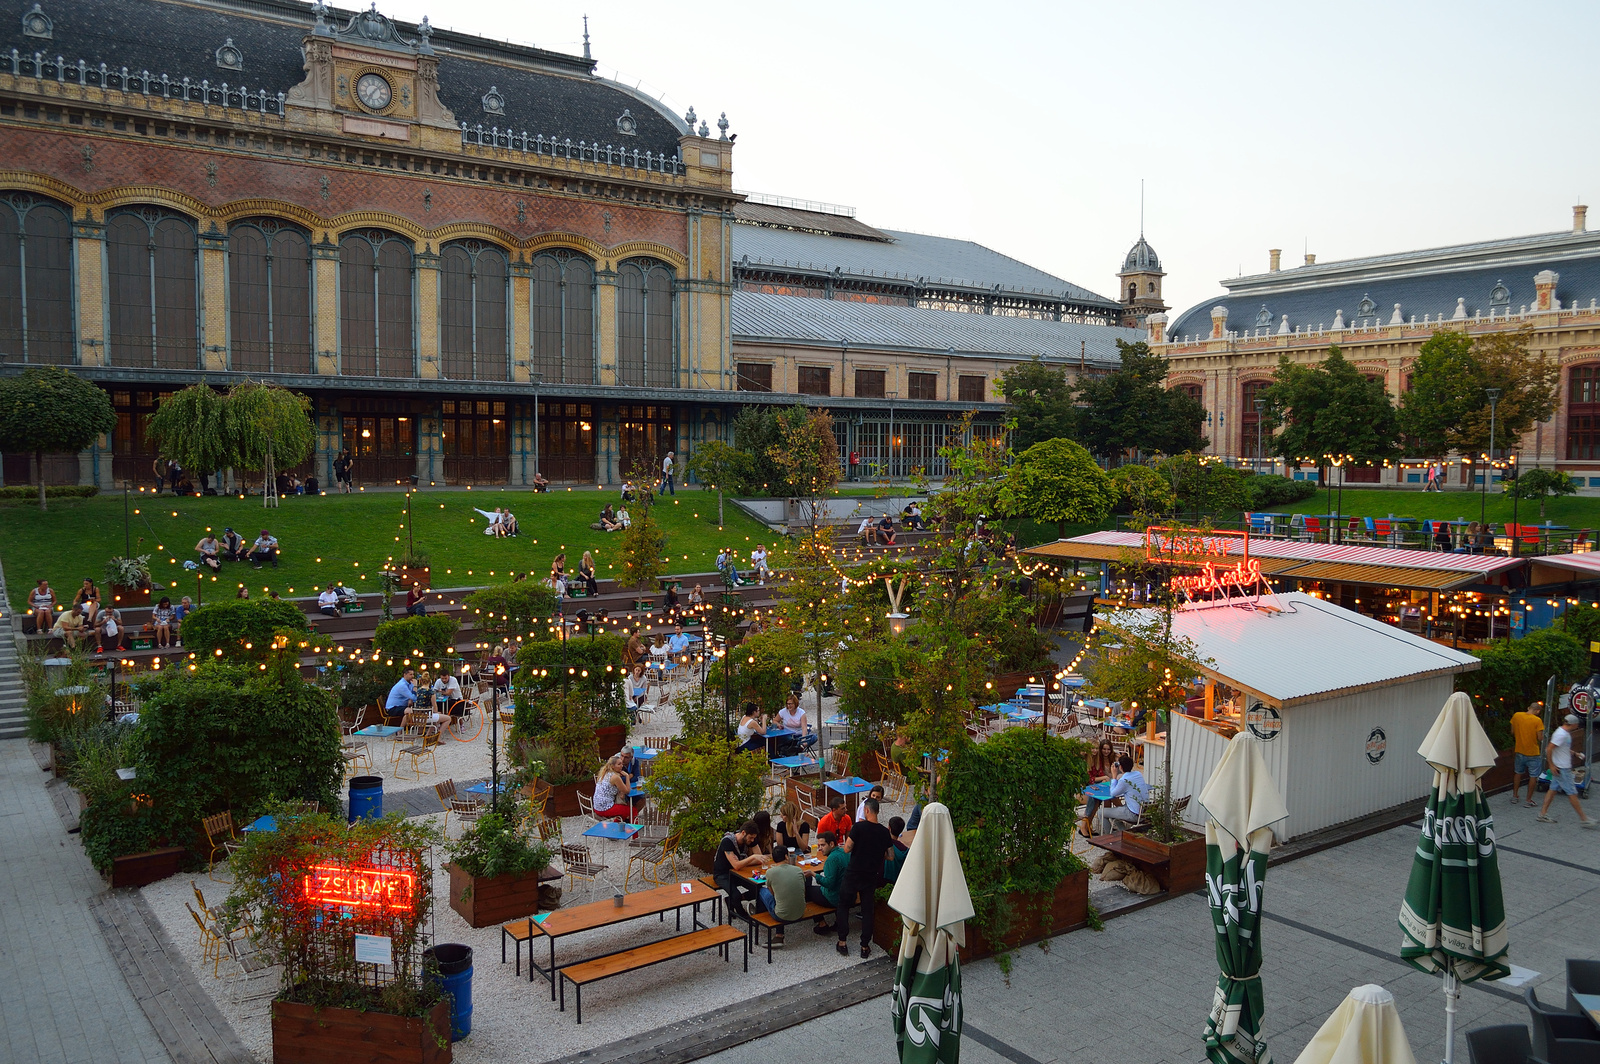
{"x":643,"y":541}
{"x":1041,"y":401}
{"x":45,"y":408}
{"x":1447,"y":407}
{"x":267,"y":426}
{"x":1132,"y":409}
{"x":720,"y":467}
{"x":806,"y":457}
{"x":1141,"y":490}
{"x":1329,"y":409}
{"x":1058,"y":481}
{"x":189,"y":427}
{"x":1203,"y":486}
{"x":756,"y":431}
{"x":1540,"y":484}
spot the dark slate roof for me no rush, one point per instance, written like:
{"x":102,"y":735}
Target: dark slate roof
{"x":1142,"y":257}
{"x":931,"y":260}
{"x":1429,"y":283}
{"x":884,"y":327}
{"x":545,"y":92}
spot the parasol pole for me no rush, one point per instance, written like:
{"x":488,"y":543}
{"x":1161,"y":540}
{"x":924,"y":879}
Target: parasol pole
{"x":1452,"y":993}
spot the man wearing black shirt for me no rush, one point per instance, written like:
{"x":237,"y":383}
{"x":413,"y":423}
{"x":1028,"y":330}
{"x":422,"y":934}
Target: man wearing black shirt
{"x":867,"y":844}
{"x":731,"y":857}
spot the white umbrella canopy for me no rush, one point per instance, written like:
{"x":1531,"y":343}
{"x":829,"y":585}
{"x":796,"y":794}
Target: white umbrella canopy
{"x":931,"y":896}
{"x":1364,"y":1029}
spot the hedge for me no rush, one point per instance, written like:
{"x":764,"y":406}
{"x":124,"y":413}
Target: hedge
{"x":52,"y":491}
{"x":229,"y":624}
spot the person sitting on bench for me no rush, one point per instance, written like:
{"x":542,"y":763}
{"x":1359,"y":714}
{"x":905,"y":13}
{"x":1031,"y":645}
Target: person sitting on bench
{"x":328,"y":602}
{"x":42,"y":602}
{"x":733,"y":855}
{"x":264,"y":549}
{"x":232,"y":546}
{"x":591,"y":584}
{"x":886,"y":531}
{"x":784,"y":896}
{"x":210,"y":552}
{"x":69,"y":627}
{"x":110,"y":630}
{"x":1128,"y":794}
{"x":911,"y":516}
{"x":727,"y":567}
{"x":865,"y":532}
{"x":164,"y":620}
{"x":415,"y":604}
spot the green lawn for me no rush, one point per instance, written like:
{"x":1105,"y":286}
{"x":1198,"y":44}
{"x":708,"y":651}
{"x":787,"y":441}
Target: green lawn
{"x":347,"y":537}
{"x":1573,"y":511}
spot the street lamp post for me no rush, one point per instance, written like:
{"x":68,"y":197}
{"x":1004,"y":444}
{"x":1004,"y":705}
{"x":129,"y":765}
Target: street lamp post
{"x":1261,"y":404}
{"x":537,"y":380}
{"x":1483,"y":496}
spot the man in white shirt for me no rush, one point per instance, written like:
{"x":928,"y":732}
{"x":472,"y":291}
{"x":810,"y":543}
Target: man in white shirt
{"x":265,"y":548}
{"x":758,"y":562}
{"x":666,"y":475}
{"x":867,"y":532}
{"x":1558,"y":754}
{"x":328,"y":601}
{"x":1128,"y":794}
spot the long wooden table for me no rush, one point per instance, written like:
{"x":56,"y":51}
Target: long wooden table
{"x":658,"y":902}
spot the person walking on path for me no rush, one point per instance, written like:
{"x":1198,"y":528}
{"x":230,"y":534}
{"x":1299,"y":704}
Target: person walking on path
{"x":1559,"y":751}
{"x":1527,"y":727}
{"x":666,"y":475}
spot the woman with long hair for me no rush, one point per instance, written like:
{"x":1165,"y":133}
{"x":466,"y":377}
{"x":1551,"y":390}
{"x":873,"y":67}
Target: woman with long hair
{"x":611,"y":791}
{"x":1101,"y":760}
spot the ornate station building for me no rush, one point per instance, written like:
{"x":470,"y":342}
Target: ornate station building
{"x":1379,"y":311}
{"x":476,"y":258}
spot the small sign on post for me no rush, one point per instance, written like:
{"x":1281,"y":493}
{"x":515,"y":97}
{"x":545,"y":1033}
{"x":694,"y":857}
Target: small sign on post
{"x":375,"y":949}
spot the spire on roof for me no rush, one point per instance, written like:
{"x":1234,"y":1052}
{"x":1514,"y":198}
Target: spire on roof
{"x":586,"y":54}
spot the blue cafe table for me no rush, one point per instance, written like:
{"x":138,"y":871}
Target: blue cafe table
{"x":853,"y":785}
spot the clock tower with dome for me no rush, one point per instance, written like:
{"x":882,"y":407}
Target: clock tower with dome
{"x":1140,"y":290}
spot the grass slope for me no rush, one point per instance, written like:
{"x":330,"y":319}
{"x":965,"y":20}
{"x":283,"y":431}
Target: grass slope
{"x":1574,"y":511}
{"x":348,"y":537}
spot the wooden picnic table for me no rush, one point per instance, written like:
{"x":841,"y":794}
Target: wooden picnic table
{"x":563,"y":922}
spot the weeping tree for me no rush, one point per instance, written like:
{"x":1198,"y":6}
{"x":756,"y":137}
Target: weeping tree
{"x":188,"y":427}
{"x":46,"y":409}
{"x":268,"y":427}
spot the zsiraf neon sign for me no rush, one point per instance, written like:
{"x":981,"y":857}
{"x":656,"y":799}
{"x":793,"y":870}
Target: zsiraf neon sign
{"x":1225,"y":571}
{"x":356,"y":887}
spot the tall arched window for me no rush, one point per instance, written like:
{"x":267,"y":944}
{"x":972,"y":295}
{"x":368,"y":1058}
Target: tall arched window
{"x":1251,"y":428}
{"x":473,"y":336}
{"x":644,"y":324}
{"x":269,"y":293}
{"x":376,"y":338}
{"x":1583,"y":412}
{"x":155,"y":296}
{"x":36,"y":323}
{"x":563,"y":317}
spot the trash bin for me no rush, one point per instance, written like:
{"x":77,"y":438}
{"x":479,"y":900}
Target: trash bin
{"x":455,"y":978}
{"x":366,"y":797}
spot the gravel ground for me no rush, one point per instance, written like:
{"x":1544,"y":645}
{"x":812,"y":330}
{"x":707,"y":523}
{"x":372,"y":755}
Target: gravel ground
{"x":514,"y":1020}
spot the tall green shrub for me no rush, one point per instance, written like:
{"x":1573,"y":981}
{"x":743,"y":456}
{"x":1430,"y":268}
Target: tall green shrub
{"x":708,"y":788}
{"x":1515,"y":673}
{"x":415,"y":639}
{"x":765,"y":667}
{"x":520,"y":608}
{"x":229,"y":624}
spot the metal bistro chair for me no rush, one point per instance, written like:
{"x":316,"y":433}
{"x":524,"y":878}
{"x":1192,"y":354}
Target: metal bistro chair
{"x":579,"y":864}
{"x":651,"y":859}
{"x":210,"y":941}
{"x":222,"y":837}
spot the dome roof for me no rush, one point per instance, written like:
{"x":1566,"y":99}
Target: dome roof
{"x":1142,"y":258}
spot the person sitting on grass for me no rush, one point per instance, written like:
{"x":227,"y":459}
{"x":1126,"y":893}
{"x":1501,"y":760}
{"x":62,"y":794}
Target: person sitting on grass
{"x":244,"y":592}
{"x":210,"y":552}
{"x":624,"y":522}
{"x":232,"y":546}
{"x":264,"y":549}
{"x":328,"y":602}
{"x":627,"y":492}
{"x":69,"y":628}
{"x":611,"y":791}
{"x":784,"y":896}
{"x":540,"y":483}
{"x":42,"y":603}
{"x":508,"y":524}
{"x":163,"y":618}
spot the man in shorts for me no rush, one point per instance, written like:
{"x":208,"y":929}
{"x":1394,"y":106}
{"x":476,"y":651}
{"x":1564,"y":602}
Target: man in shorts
{"x":1527,"y":728}
{"x":1559,"y":751}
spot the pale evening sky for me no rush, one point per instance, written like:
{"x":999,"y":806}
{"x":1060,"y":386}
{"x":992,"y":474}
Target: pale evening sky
{"x":1348,"y":129}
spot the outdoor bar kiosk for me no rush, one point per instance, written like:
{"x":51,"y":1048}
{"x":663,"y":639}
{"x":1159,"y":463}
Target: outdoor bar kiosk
{"x":1339,"y":702}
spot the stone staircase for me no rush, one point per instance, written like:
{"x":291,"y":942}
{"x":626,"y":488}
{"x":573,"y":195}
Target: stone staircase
{"x":13,"y":711}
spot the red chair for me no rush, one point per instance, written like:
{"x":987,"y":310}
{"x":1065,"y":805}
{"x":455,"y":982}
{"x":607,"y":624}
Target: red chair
{"x":1313,"y":527}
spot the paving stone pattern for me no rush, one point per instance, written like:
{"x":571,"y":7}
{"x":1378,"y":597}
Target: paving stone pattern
{"x":62,"y":999}
{"x":1140,"y":989}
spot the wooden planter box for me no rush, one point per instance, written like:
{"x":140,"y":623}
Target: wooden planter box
{"x":305,"y":1035}
{"x":1499,"y":776}
{"x":1068,"y":911}
{"x":124,"y":597}
{"x":1006,"y":684}
{"x":1185,"y":869}
{"x":704,"y":860}
{"x":486,"y":902}
{"x":610,"y":738}
{"x":563,"y":800}
{"x":421,"y":576}
{"x":138,"y":869}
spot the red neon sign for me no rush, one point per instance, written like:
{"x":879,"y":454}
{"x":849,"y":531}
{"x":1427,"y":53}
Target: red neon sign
{"x":380,"y":889}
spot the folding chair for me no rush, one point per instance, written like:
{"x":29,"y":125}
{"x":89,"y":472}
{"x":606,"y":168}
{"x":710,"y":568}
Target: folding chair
{"x":651,"y":859}
{"x":579,"y":865}
{"x":222,"y":837}
{"x":210,"y":941}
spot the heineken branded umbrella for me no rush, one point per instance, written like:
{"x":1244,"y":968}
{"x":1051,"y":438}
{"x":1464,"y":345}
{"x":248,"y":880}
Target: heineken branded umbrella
{"x":1241,"y":803}
{"x":1364,"y":1029}
{"x":1453,"y":917}
{"x":931,"y":897}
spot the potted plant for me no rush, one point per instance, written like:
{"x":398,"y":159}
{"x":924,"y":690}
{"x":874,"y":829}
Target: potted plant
{"x":414,"y":569}
{"x":708,"y":788}
{"x":495,"y":870}
{"x":1179,"y":855}
{"x":130,"y":581}
{"x":309,"y":888}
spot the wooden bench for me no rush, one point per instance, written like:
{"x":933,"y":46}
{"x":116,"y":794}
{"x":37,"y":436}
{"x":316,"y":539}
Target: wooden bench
{"x":518,"y":931}
{"x":772,"y":923}
{"x":716,"y":904}
{"x":580,"y":975}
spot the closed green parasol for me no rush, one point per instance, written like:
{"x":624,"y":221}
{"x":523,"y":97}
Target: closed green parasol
{"x":931,"y":896}
{"x":1454,"y":917}
{"x":1241,"y":803}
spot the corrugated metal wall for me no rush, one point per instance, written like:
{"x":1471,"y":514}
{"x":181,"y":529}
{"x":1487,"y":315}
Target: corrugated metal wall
{"x":1319,"y":760}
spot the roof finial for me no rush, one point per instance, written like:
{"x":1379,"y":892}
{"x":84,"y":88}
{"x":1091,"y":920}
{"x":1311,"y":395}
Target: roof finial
{"x":586,"y":54}
{"x":1141,"y":208}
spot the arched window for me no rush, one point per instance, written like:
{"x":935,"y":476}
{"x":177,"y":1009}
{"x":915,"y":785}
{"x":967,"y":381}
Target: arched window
{"x":1583,"y":412}
{"x":563,"y":317}
{"x":473,"y":337}
{"x":376,"y":338}
{"x":1193,"y":390}
{"x":35,"y":281}
{"x":1133,"y":291}
{"x":155,"y":297}
{"x":269,"y":297}
{"x":1251,"y":429}
{"x":644,"y":324}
